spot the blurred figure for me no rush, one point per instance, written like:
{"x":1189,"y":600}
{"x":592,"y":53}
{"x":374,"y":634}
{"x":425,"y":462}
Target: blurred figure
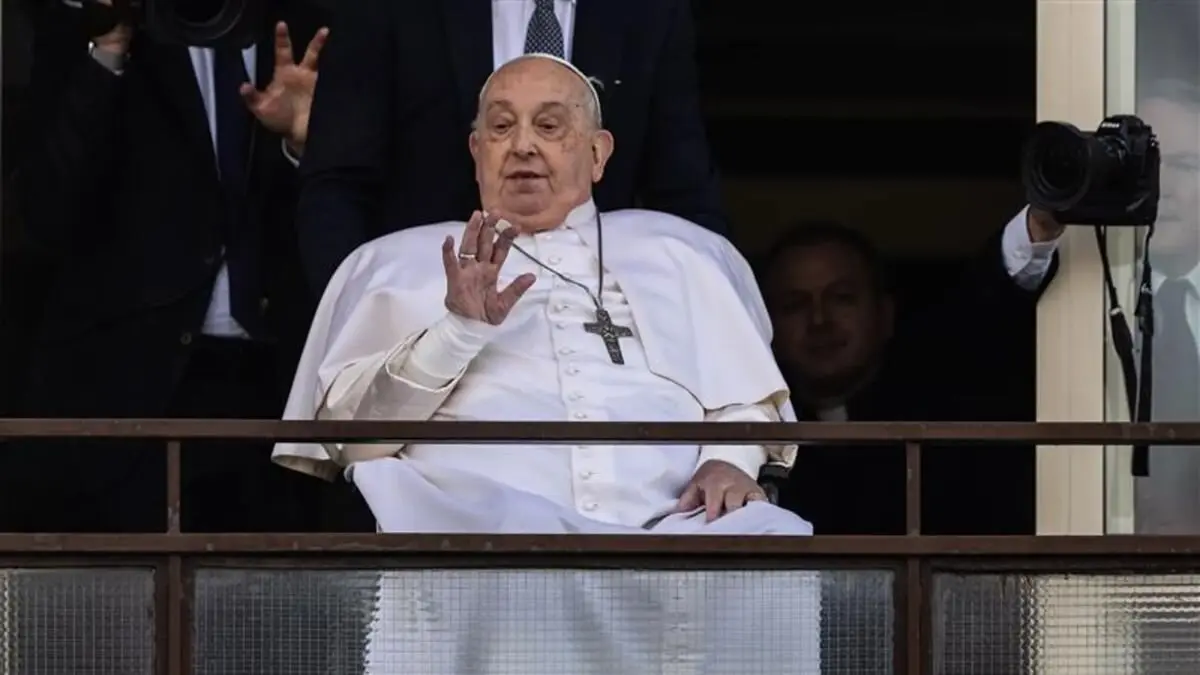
{"x":834,"y":316}
{"x":400,"y":86}
{"x":1167,"y":501}
{"x":168,"y":209}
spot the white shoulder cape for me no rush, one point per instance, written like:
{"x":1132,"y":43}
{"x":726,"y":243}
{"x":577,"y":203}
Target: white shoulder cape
{"x":693,"y":297}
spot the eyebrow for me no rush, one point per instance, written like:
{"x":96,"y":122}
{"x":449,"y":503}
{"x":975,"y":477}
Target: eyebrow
{"x":544,"y":107}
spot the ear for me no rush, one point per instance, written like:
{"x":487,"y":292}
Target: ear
{"x":602,"y":149}
{"x":473,"y":146}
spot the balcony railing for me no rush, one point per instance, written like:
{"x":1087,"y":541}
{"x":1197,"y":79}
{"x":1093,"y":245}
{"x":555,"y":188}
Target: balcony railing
{"x":215,"y":604}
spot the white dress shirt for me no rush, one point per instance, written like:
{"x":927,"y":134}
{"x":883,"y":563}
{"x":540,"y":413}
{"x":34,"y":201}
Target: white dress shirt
{"x":510,"y":23}
{"x":1027,"y":261}
{"x":1192,"y":303}
{"x":566,"y":374}
{"x":218,"y":320}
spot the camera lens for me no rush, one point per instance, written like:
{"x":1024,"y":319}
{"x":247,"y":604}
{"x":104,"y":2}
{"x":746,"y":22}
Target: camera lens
{"x":1058,"y":162}
{"x":1062,"y":168}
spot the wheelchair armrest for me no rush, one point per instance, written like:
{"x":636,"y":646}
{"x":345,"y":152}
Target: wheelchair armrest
{"x":771,"y":478}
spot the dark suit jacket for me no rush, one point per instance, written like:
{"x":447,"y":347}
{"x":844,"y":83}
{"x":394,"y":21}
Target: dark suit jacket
{"x":399,"y":87}
{"x":940,"y":367}
{"x":119,"y":184}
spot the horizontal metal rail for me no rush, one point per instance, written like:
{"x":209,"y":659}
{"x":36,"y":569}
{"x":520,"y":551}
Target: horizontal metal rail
{"x":1046,"y":433}
{"x":773,"y":550}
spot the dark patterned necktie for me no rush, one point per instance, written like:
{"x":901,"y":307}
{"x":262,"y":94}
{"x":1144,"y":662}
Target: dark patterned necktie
{"x":544,"y":35}
{"x":235,"y":126}
{"x":233,"y":119}
{"x":1176,"y":356}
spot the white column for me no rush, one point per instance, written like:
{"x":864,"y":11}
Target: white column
{"x":1073,"y":353}
{"x":1070,"y":319}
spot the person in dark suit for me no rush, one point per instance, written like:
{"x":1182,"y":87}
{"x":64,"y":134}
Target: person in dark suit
{"x":399,"y":89}
{"x":837,"y":343}
{"x":168,"y":210}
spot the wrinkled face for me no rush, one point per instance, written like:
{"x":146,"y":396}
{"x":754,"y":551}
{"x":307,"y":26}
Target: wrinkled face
{"x":1176,"y":243}
{"x":831,"y":321}
{"x":536,"y":146}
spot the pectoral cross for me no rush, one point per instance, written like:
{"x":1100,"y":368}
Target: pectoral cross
{"x":610,"y":333}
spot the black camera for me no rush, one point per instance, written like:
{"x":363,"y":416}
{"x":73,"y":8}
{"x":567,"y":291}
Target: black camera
{"x":1106,"y":178}
{"x":196,"y":23}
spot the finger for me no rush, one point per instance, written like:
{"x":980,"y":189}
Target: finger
{"x":449,"y":258}
{"x":313,"y":53}
{"x":252,"y":96}
{"x":514,"y":290}
{"x":734,"y":500}
{"x":283,"y":46}
{"x":714,"y":500}
{"x":690,"y":499}
{"x":756,"y":496}
{"x":504,"y":242}
{"x":487,"y":239}
{"x":470,"y":238}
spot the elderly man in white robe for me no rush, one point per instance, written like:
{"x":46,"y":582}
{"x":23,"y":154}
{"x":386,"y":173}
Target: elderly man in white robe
{"x":540,"y":308}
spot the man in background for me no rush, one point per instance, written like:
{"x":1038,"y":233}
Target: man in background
{"x":167,"y":208}
{"x":833,"y":311}
{"x":400,"y":86}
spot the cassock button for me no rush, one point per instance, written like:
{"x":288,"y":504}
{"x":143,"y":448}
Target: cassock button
{"x":585,"y":474}
{"x":581,"y":416}
{"x":185,"y":338}
{"x":566,"y":351}
{"x":590,"y":506}
{"x":572,"y":370}
{"x":560,"y":325}
{"x":554,"y":260}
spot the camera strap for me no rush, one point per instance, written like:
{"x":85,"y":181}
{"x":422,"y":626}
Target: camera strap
{"x":1138,"y":378}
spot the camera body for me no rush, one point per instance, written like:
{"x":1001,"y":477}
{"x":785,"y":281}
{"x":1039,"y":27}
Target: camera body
{"x":1109,"y":177}
{"x":195,"y":23}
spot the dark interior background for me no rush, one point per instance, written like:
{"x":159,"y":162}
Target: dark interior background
{"x":902,"y":119}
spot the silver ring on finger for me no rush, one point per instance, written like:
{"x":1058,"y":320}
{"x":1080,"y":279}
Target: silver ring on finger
{"x":466,"y":257}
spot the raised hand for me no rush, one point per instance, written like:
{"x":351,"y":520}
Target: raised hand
{"x":284,"y":105}
{"x":473,"y":272}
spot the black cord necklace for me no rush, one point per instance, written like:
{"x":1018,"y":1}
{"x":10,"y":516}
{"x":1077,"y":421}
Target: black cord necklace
{"x":603,"y":326}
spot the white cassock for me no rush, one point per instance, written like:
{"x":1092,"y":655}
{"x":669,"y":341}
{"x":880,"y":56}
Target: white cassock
{"x":383,"y":347}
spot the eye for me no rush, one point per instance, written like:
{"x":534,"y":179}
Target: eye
{"x":501,"y":126}
{"x":548,"y":125}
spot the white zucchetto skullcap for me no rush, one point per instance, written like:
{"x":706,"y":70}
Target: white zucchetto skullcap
{"x":590,"y":82}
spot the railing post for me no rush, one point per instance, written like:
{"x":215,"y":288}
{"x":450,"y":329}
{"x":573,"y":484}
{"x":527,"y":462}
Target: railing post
{"x":913,"y":605}
{"x":176,"y":606}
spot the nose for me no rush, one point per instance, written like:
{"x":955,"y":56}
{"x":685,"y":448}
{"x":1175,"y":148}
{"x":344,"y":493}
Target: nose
{"x":817,"y":314}
{"x":523,"y":142}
